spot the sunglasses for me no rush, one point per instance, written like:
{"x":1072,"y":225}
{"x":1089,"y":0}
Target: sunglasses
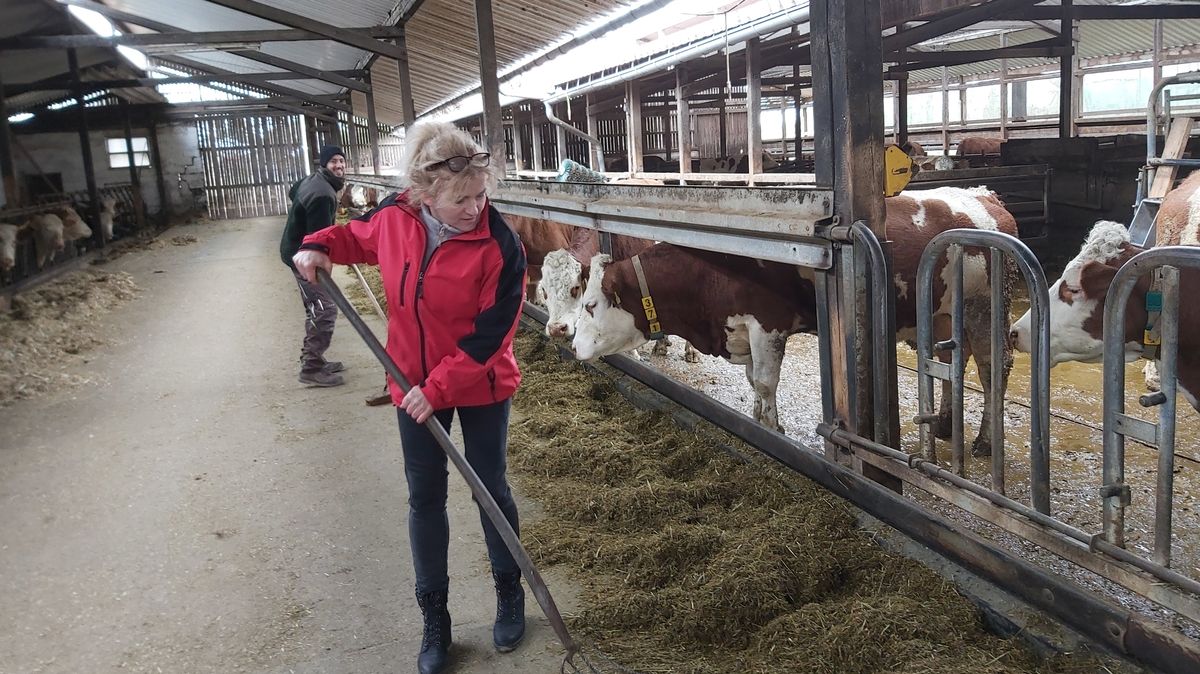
{"x":460,"y":162}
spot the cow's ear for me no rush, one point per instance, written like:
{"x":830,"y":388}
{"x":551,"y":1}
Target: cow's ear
{"x":1095,"y":278}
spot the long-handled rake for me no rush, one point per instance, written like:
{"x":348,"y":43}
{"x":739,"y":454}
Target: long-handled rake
{"x":574,"y":661}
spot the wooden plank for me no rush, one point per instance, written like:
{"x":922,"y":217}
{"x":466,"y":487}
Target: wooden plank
{"x":633,"y":108}
{"x":493,"y":126}
{"x":1177,"y":138}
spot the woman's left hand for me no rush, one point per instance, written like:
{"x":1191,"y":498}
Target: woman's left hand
{"x":416,"y":405}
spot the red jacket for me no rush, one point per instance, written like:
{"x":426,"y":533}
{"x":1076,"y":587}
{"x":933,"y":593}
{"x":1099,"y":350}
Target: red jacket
{"x":450,"y":325}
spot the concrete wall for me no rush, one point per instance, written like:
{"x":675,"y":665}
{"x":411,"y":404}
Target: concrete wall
{"x":60,"y":153}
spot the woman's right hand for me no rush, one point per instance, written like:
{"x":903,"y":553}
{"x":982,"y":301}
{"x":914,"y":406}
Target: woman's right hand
{"x":307,"y":262}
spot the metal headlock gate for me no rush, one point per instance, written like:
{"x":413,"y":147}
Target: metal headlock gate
{"x":250,"y":161}
{"x":1163,"y":263}
{"x":790,"y":226}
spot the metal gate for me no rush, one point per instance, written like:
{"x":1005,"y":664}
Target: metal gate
{"x":250,"y":161}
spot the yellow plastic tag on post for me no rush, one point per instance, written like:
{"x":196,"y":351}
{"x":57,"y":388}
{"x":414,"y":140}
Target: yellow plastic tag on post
{"x":1150,"y":337}
{"x":898,"y":171}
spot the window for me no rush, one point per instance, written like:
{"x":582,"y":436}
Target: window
{"x":118,"y":157}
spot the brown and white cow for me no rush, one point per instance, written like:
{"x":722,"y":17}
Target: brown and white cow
{"x":8,"y":245}
{"x":745,"y":310}
{"x":1177,"y":224}
{"x":540,"y":237}
{"x":48,"y":237}
{"x":977,"y":145}
{"x":1077,"y":308}
{"x":564,"y":277}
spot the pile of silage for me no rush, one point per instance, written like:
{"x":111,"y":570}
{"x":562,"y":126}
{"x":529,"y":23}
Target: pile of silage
{"x":46,"y":331}
{"x":692,"y":560}
{"x":355,"y":291}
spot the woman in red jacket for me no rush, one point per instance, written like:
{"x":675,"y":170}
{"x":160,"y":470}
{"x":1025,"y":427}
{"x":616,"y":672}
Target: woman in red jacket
{"x":454,"y":277}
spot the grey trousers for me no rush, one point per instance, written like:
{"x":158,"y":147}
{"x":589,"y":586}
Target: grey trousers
{"x":321,"y":315}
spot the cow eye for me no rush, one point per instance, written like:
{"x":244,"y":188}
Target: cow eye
{"x":589,"y":307}
{"x":575,"y":292}
{"x":1072,"y":289}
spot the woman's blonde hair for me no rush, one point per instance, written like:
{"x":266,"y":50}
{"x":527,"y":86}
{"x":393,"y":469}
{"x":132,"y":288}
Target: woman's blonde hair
{"x":431,"y":142}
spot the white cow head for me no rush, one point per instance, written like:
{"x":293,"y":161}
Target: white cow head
{"x":561,"y":292}
{"x":8,"y":245}
{"x":73,"y":226}
{"x":108,"y":203}
{"x":47,"y":236}
{"x":1077,"y":300}
{"x":604,"y":327}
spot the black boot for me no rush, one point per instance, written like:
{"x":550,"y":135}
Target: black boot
{"x":510,"y":612}
{"x":435,"y":645}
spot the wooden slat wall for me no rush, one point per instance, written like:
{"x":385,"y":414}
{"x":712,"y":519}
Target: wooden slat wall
{"x":250,"y":161}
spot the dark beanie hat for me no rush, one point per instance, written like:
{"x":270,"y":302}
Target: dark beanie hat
{"x":329,"y":152}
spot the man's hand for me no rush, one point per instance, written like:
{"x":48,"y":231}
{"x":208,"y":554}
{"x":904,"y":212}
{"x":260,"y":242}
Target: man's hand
{"x":307,"y":262}
{"x":416,"y":405}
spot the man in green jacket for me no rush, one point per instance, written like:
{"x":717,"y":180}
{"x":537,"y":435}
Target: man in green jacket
{"x":314,"y":207}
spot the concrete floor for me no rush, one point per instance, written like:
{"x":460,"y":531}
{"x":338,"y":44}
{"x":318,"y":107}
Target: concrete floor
{"x":195,"y":509}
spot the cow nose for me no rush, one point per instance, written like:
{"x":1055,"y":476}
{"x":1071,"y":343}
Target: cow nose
{"x":557,"y":329}
{"x":1014,"y":338}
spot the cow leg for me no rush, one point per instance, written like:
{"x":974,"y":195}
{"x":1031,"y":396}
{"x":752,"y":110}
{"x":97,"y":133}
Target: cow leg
{"x":944,"y":426}
{"x":977,"y":314}
{"x":1150,"y":372}
{"x":661,"y":347}
{"x":690,"y":354}
{"x":766,"y":360}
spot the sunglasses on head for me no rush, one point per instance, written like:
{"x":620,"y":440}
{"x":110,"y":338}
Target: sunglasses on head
{"x":460,"y":162}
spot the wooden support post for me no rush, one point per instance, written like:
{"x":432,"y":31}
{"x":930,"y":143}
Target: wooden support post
{"x":945,"y":111}
{"x":1156,"y":52}
{"x":754,"y":106}
{"x":593,"y":129}
{"x":1020,"y":105}
{"x":518,"y":143}
{"x":373,"y":128}
{"x":535,"y":130}
{"x":8,"y":170}
{"x":139,"y":206}
{"x":1066,"y":80}
{"x":798,"y":103}
{"x":407,"y":109}
{"x":493,"y":123}
{"x":633,"y":111}
{"x":85,"y":147}
{"x":560,"y":134}
{"x":156,"y":158}
{"x":1004,"y":90}
{"x":722,"y":126}
{"x":849,"y":136}
{"x":351,"y":146}
{"x":683,"y":124}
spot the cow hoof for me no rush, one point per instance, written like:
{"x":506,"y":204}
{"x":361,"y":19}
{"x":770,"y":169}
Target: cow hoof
{"x":691,"y":357}
{"x":981,"y":448}
{"x":944,"y":428}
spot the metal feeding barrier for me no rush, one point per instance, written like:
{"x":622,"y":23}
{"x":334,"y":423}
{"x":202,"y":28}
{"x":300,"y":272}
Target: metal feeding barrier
{"x":575,"y":661}
{"x":1164,"y":264}
{"x":1001,"y":246}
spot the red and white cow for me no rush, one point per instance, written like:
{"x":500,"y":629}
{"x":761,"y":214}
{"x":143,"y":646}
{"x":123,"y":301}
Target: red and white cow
{"x":540,"y":237}
{"x":565,"y":274}
{"x":8,"y":245}
{"x":744,"y":310}
{"x":1077,"y":309}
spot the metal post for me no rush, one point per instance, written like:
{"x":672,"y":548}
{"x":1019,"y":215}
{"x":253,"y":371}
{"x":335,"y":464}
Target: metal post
{"x":8,"y":169}
{"x":1003,"y":91}
{"x":683,"y":124}
{"x":754,"y":107}
{"x":1168,"y":363}
{"x":1020,"y":107}
{"x":164,"y":208}
{"x":1066,"y":80}
{"x":849,"y":140}
{"x":85,"y":146}
{"x":493,"y":124}
{"x":958,"y":364}
{"x":593,"y":129}
{"x":373,"y":128}
{"x":139,"y":212}
{"x":518,"y":142}
{"x":560,"y":138}
{"x":945,"y":111}
{"x":633,"y":112}
{"x":535,"y":130}
{"x":722,"y":126}
{"x":1156,"y":53}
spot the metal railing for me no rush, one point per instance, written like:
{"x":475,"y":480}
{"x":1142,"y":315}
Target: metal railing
{"x":1165,"y":263}
{"x":1000,"y":246}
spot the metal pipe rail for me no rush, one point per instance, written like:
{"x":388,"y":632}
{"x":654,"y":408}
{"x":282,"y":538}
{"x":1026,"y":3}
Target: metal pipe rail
{"x":1152,"y":118}
{"x":953,"y":242}
{"x":1117,"y":425}
{"x":597,"y":149}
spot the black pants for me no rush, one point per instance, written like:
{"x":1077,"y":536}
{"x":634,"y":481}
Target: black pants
{"x":320,"y":317}
{"x":485,"y":434}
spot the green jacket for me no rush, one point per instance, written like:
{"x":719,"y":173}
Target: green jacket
{"x":314,"y":207}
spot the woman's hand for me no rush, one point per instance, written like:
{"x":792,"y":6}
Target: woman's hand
{"x":416,"y":405}
{"x":307,"y":262}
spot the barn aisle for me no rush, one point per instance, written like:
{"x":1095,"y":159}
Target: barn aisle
{"x":195,"y":509}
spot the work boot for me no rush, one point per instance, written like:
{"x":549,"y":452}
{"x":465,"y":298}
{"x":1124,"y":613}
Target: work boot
{"x":510,"y":611}
{"x":333,"y":366}
{"x":435,"y":644}
{"x":320,"y":377}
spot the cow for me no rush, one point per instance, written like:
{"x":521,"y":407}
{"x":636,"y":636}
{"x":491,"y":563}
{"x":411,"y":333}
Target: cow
{"x":539,"y":237}
{"x":73,"y":226}
{"x":745,"y":310}
{"x":565,"y":274}
{"x":8,"y":245}
{"x":1076,"y":304}
{"x":108,"y":211}
{"x":912,"y":148}
{"x":48,"y":237}
{"x":978,"y":145}
{"x":1177,"y":224}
